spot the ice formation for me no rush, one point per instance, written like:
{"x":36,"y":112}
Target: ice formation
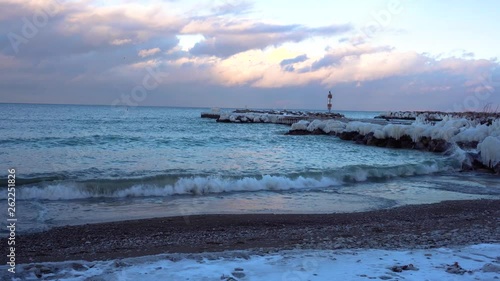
{"x":490,"y":151}
{"x":449,"y":129}
{"x":249,"y":117}
{"x":438,"y":116}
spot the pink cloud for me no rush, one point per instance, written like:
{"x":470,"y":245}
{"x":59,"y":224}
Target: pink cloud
{"x":148,"y":52}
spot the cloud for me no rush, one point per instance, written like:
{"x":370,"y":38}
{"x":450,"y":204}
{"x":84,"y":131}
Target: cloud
{"x":78,"y":27}
{"x":9,"y":62}
{"x":92,"y":53}
{"x":337,"y":54}
{"x":300,"y":58}
{"x":119,"y":42}
{"x":287,"y":64}
{"x":232,"y":8}
{"x":226,"y":38}
{"x":277,"y":67}
{"x":148,"y":52}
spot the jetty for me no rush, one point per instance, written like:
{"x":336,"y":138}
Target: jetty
{"x":436,"y":116}
{"x":287,"y":117}
{"x":210,"y":115}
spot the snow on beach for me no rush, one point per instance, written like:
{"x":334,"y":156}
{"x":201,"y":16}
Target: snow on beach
{"x":477,"y":262}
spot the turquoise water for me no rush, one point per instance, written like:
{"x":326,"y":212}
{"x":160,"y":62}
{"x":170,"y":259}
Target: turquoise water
{"x":78,"y":164}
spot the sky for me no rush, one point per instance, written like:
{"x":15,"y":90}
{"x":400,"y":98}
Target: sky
{"x":372,"y":55}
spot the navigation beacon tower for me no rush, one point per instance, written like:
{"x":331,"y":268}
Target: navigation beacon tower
{"x":329,"y":101}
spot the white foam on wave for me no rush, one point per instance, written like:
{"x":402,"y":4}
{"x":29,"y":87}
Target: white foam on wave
{"x":61,"y":191}
{"x":360,"y":174}
{"x":192,"y":185}
{"x":214,"y":185}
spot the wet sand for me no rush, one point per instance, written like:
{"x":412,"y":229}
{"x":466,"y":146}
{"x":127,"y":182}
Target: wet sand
{"x":445,"y":224}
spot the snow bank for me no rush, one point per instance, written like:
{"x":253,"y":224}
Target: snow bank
{"x":469,"y":263}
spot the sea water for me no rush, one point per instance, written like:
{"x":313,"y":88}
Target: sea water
{"x":80,"y":164}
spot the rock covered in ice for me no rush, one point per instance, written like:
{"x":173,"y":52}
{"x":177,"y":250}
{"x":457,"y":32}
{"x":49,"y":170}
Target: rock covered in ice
{"x":490,"y":151}
{"x":301,"y":125}
{"x":224,"y":117}
{"x":316,"y":125}
{"x":272,"y":116}
{"x":247,"y":118}
{"x":395,"y":131}
{"x":333,"y":126}
{"x":482,"y":117}
{"x":436,"y":137}
{"x":479,"y":132}
{"x":361,"y":127}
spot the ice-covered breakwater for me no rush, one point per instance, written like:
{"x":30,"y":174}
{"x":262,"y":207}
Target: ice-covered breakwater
{"x":290,"y":113}
{"x":481,"y":117}
{"x":478,"y":142}
{"x":273,"y":116}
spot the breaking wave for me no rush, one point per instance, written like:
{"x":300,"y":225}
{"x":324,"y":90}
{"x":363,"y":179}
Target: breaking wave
{"x":168,"y":185}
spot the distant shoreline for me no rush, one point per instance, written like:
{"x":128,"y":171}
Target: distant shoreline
{"x":449,"y":223}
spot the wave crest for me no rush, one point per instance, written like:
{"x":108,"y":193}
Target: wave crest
{"x":203,"y":185}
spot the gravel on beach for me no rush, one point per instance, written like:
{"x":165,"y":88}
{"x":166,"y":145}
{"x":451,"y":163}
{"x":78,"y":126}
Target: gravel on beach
{"x":445,"y":224}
